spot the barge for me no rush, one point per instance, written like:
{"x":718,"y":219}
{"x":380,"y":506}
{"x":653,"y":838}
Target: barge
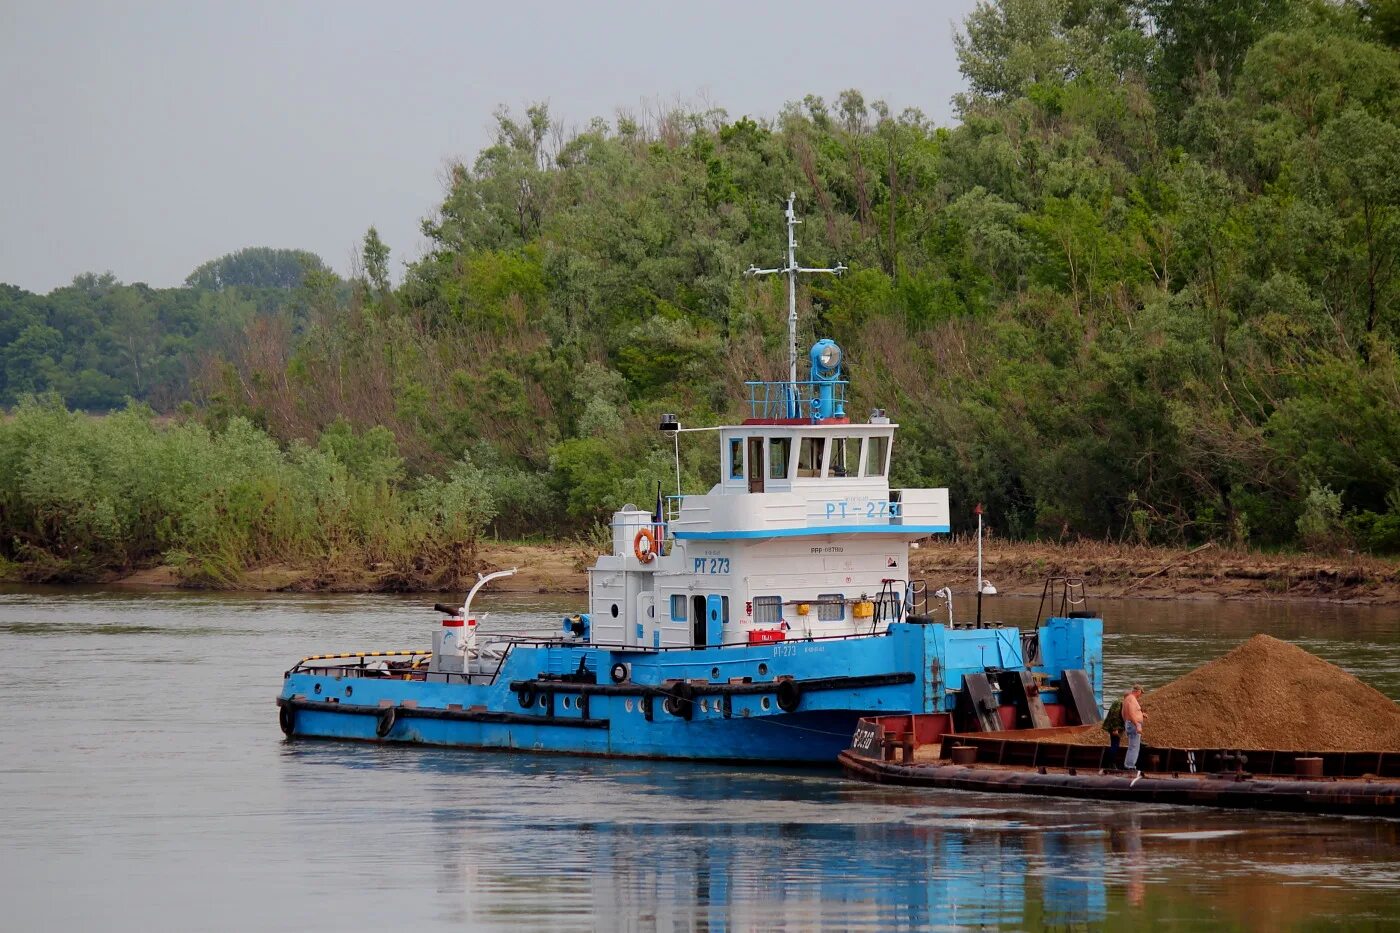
{"x":928,"y":750}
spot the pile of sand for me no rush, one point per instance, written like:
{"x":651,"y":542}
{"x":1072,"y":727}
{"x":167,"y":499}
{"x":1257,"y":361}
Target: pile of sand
{"x":1268,"y":694}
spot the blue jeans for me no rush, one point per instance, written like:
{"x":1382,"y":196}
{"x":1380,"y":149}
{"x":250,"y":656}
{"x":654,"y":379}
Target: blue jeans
{"x":1134,"y":743}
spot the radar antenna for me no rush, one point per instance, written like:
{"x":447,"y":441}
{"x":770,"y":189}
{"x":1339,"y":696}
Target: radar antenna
{"x":791,"y":270}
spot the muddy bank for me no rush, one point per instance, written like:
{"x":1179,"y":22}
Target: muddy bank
{"x":542,"y":569}
{"x":1109,"y":570}
{"x":1117,"y":571}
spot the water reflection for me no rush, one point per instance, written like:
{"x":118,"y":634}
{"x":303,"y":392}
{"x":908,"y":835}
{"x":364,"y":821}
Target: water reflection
{"x":564,"y":843}
{"x":146,"y":785}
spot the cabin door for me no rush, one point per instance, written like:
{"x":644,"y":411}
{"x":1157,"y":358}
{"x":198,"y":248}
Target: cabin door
{"x":648,"y":635}
{"x":716,"y":615}
{"x":755,"y":464}
{"x":697,"y":621}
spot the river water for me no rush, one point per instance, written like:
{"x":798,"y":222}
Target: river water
{"x":145,"y":786}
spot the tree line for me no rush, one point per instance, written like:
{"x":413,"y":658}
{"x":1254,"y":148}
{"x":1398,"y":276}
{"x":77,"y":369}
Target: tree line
{"x":98,"y":342}
{"x":1144,"y":287}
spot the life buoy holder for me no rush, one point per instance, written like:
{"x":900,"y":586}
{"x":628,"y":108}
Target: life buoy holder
{"x":387,"y":717}
{"x":287,"y":719}
{"x":644,"y":546}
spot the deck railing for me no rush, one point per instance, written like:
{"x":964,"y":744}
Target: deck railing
{"x":812,"y":399}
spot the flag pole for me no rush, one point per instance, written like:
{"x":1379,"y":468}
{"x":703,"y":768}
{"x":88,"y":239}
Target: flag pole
{"x":979,"y":564}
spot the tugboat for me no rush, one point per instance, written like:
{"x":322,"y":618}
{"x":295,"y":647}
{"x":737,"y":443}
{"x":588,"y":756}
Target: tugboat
{"x":758,"y":621}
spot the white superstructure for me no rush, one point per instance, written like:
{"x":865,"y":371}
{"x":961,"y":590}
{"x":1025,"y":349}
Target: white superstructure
{"x":801,"y":537}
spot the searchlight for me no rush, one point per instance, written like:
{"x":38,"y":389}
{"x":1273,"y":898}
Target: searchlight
{"x":826,"y":372}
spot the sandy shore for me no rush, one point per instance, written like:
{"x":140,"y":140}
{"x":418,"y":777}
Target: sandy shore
{"x":1118,"y":571}
{"x":1109,"y":570}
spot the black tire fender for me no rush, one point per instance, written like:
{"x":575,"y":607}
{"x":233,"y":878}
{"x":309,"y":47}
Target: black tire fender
{"x":526,"y":697}
{"x":287,"y":719}
{"x":620,"y":673}
{"x":681,"y":701}
{"x":385,"y":723}
{"x":789,"y":696}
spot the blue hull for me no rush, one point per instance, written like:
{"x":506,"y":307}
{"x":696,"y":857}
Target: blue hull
{"x":782,"y":702}
{"x":797,"y":738}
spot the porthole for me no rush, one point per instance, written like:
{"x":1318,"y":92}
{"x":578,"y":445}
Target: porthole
{"x":614,"y":610}
{"x":766,"y":703}
{"x":704,"y":706}
{"x":651,"y":612}
{"x":349,"y":691}
{"x":318,"y":688}
{"x":714,"y":673}
{"x":567,"y":701}
{"x":627,"y":705}
{"x":762,"y":670}
{"x":544,"y":702}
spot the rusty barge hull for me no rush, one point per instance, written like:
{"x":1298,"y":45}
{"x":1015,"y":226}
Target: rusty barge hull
{"x":923,"y":750}
{"x":1346,"y":796}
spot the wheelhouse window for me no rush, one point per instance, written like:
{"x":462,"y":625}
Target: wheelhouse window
{"x":831,"y":607}
{"x":876,"y":452}
{"x":678,"y":607}
{"x":767,"y":610}
{"x":779,"y":452}
{"x":809,"y":456}
{"x":843,"y":451}
{"x":736,"y":458}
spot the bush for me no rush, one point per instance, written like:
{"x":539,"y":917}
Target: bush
{"x":1320,"y":526}
{"x":1378,"y":533}
{"x":84,"y":497}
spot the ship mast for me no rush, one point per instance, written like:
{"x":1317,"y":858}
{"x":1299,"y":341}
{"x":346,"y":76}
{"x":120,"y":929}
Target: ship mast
{"x":791,"y":270}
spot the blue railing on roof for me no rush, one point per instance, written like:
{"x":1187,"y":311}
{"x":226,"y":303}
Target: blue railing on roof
{"x":814,"y":399}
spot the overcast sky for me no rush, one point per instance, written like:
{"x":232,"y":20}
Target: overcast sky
{"x":145,"y":138}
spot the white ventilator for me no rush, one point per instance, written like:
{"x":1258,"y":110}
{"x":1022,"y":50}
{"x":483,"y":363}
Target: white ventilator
{"x":456,"y":639}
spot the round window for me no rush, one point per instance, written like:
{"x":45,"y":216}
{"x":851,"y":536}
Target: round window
{"x":614,"y":610}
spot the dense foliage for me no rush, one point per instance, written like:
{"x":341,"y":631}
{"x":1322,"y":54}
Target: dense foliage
{"x":83,"y":496}
{"x":98,"y":342}
{"x":1145,"y":288}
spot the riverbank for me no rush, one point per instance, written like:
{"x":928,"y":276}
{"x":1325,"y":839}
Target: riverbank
{"x":1117,"y":571}
{"x":1015,"y":568}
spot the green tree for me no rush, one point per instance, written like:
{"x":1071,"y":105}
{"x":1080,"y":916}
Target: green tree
{"x":374,"y":255}
{"x":1363,"y":154}
{"x":256,"y":267}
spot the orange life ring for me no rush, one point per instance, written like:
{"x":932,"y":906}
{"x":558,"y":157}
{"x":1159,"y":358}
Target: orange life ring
{"x":644,"y":554}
